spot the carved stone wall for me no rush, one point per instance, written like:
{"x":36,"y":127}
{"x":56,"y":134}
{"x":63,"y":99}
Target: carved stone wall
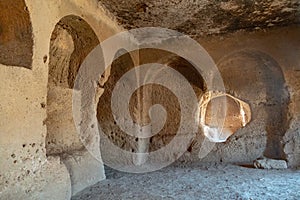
{"x":43,"y":44}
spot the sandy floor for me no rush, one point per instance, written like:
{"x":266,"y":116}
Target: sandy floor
{"x":207,"y":181}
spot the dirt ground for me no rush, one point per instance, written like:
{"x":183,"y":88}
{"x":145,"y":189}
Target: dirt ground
{"x":200,"y":181}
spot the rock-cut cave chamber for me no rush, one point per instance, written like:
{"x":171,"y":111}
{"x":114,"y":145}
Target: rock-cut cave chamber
{"x":48,"y":152}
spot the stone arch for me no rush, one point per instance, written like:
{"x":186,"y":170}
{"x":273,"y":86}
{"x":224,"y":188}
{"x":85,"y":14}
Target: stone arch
{"x":150,"y":94}
{"x":16,"y":41}
{"x":122,"y":63}
{"x":71,"y":41}
{"x":257,"y":78}
{"x":163,"y":96}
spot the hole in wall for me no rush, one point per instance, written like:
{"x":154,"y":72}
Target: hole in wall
{"x":232,"y":118}
{"x":16,"y":43}
{"x":45,"y":58}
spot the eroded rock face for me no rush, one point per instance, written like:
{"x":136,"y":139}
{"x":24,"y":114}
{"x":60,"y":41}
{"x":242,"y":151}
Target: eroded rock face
{"x":258,"y":77}
{"x":62,"y":135}
{"x":84,"y":169}
{"x":143,"y":99}
{"x":204,"y":17}
{"x":268,"y":82}
{"x":71,"y":41}
{"x":51,"y":176}
{"x":27,"y":172}
{"x":16,"y":42}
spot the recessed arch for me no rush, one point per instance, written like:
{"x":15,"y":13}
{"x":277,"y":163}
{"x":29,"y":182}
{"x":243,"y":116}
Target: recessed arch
{"x":257,"y":78}
{"x":165,"y":97}
{"x":71,"y":41}
{"x":122,"y":63}
{"x":16,"y":41}
{"x":149,"y":95}
{"x":183,"y":66}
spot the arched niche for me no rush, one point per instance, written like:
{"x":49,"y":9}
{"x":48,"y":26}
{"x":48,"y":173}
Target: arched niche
{"x":16,"y":43}
{"x":256,"y":78}
{"x":122,"y":63}
{"x":71,"y":41}
{"x":145,"y":97}
{"x":161,"y":95}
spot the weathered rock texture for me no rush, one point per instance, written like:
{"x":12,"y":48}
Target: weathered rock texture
{"x":256,"y":75}
{"x":257,"y":69}
{"x":27,"y":40}
{"x":43,"y":44}
{"x":265,"y":163}
{"x":16,"y":40}
{"x":202,"y":17}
